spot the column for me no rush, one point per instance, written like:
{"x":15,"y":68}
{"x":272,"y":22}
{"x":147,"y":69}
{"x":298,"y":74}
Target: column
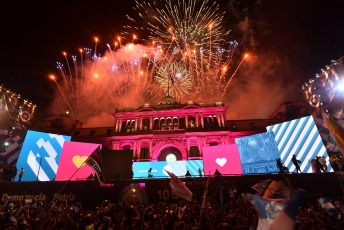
{"x":116,"y":125}
{"x":141,"y":122}
{"x":197,"y":123}
{"x":218,"y":118}
{"x":120,"y":124}
{"x":136,"y":120}
{"x":150,"y":122}
{"x":134,"y":150}
{"x":138,"y":151}
{"x":202,"y":120}
{"x":150,"y":149}
{"x":188,"y":146}
{"x":186,"y":121}
{"x":223,"y":119}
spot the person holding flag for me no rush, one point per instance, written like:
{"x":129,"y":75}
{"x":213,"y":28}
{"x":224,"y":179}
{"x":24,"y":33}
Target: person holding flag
{"x":95,"y":162}
{"x":178,"y":188}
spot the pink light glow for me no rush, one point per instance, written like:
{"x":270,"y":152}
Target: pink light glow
{"x":224,"y":158}
{"x":142,"y":185}
{"x":72,"y":156}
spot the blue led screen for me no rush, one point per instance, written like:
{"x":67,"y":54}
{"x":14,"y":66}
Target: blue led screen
{"x":258,"y":153}
{"x":40,"y":156}
{"x":299,"y":137}
{"x":179,"y":168}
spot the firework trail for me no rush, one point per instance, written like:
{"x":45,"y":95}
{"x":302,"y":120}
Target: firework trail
{"x":122,"y":77}
{"x":191,"y":34}
{"x":187,"y":55}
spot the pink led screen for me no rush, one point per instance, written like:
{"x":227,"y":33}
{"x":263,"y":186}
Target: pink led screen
{"x":72,"y":156}
{"x":224,"y":158}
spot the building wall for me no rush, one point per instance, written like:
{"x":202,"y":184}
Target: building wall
{"x":184,"y":131}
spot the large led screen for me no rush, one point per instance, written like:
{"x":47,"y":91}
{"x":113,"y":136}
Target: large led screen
{"x":258,"y":153}
{"x":73,"y":155}
{"x":224,"y":158}
{"x":301,"y":138}
{"x":40,"y":156}
{"x":179,"y":168}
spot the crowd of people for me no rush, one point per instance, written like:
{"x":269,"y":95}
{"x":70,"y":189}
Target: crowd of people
{"x":238,"y":213}
{"x":318,"y":164}
{"x":337,"y":163}
{"x":8,"y":173}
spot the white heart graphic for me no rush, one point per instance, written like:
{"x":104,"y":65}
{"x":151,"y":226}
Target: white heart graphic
{"x":221,"y":161}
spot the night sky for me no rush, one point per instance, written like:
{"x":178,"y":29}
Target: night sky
{"x":294,"y":39}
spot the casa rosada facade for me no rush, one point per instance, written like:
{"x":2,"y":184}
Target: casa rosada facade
{"x":153,"y":132}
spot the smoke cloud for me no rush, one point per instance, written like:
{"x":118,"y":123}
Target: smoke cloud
{"x":96,"y":86}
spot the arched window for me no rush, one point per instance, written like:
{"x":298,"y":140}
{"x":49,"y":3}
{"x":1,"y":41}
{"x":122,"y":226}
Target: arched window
{"x":128,"y":126}
{"x":124,"y":128}
{"x":145,"y":125}
{"x":144,"y":153}
{"x":162,"y":124}
{"x":206,"y":123}
{"x":216,"y":123}
{"x":169,"y":123}
{"x":132,"y":126}
{"x":194,"y":151}
{"x":175,"y":123}
{"x":211,"y":123}
{"x":182,"y":123}
{"x":192,"y":122}
{"x":156,"y":124}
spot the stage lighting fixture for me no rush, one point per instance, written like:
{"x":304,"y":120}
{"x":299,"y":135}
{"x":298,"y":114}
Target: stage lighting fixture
{"x":6,"y":143}
{"x":340,"y":86}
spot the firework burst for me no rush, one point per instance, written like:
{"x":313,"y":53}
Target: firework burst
{"x":192,"y":34}
{"x":187,"y":55}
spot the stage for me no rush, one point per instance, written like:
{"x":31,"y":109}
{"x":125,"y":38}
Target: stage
{"x":89,"y":192}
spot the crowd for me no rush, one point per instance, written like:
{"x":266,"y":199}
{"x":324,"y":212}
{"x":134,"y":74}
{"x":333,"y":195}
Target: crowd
{"x":337,"y":163}
{"x":238,"y":213}
{"x":8,"y":173}
{"x":318,"y":164}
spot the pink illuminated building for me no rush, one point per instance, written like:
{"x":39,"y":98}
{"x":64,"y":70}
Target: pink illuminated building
{"x":154,"y":131}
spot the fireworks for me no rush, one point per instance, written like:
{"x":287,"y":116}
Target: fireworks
{"x":122,"y":77}
{"x":187,"y":55}
{"x":192,"y":33}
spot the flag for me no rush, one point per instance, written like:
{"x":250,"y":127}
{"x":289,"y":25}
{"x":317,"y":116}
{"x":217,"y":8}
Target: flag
{"x":268,"y":210}
{"x":95,"y":162}
{"x":178,"y":188}
{"x":261,"y":185}
{"x":336,"y":130}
